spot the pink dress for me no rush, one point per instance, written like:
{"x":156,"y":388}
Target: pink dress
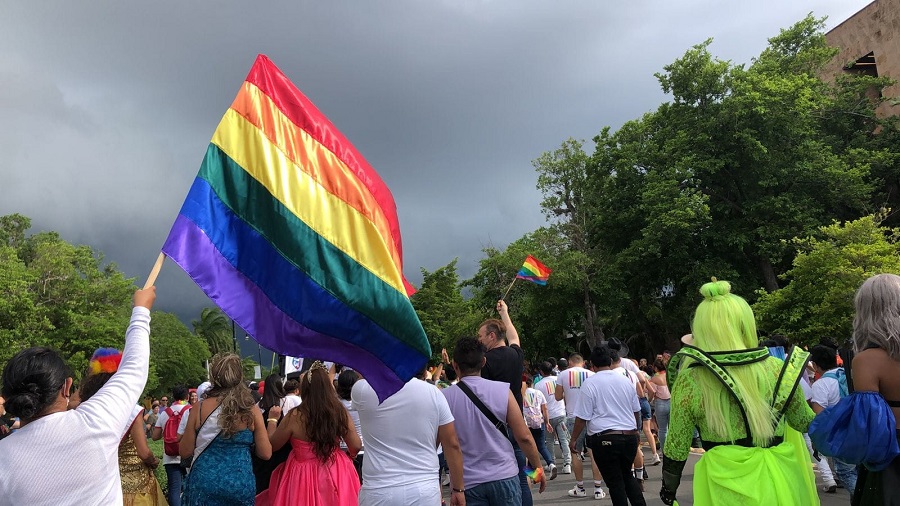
{"x":304,"y":479}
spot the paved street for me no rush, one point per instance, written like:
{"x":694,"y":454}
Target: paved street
{"x":556,"y":489}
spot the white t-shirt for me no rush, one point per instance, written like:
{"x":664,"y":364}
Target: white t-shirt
{"x":161,"y":423}
{"x":608,"y":402}
{"x":72,"y":457}
{"x":628,"y":374}
{"x":825,"y":392}
{"x":401,"y":433}
{"x":547,"y":386}
{"x":289,"y":402}
{"x":571,"y":380}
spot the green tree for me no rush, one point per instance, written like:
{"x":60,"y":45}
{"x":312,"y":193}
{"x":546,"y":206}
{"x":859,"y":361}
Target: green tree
{"x":817,"y":303}
{"x":177,"y":356}
{"x":444,"y":314}
{"x":562,"y":180}
{"x":215,"y":328}
{"x":717,"y":181}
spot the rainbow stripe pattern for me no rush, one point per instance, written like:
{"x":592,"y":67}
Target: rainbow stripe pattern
{"x":533,"y":270}
{"x":105,"y":360}
{"x":550,"y":387}
{"x":576,"y":378}
{"x":292,"y":233}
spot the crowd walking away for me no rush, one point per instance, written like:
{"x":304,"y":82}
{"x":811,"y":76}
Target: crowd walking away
{"x":482,"y":427}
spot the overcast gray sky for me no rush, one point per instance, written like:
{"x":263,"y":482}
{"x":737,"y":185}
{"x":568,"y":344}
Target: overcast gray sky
{"x":106,"y":107}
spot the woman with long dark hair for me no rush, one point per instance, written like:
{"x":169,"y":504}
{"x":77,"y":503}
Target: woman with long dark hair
{"x":219,"y":434}
{"x":273,"y":396}
{"x":317,"y":472}
{"x":62,"y":455}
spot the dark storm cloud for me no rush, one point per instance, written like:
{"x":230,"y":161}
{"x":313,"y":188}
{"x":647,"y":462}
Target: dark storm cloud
{"x":106,"y":108}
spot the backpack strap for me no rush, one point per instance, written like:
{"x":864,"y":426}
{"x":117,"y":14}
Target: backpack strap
{"x":839,"y":376}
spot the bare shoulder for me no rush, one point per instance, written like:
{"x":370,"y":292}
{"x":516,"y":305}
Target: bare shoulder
{"x":871,"y":357}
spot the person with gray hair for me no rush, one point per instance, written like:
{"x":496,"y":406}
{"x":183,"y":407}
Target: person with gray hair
{"x":876,"y":368}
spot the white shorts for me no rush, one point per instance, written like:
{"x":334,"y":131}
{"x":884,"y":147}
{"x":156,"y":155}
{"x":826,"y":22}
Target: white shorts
{"x":426,"y":493}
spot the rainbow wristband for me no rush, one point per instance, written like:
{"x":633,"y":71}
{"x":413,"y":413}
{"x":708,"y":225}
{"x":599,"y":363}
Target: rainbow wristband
{"x":535,"y":474}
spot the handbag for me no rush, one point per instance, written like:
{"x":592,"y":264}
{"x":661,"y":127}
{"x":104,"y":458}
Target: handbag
{"x":501,"y":426}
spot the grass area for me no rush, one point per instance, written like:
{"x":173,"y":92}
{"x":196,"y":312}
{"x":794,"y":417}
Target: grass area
{"x":157,"y":448}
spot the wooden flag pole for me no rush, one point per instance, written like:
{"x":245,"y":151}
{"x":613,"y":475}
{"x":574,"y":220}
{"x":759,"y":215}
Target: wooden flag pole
{"x":154,"y":272}
{"x":508,"y":289}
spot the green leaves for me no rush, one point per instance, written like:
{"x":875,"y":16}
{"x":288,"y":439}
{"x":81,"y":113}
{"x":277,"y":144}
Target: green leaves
{"x":56,"y":294}
{"x":818,"y":302}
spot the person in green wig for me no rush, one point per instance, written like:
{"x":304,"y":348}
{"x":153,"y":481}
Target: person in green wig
{"x":745,"y":404}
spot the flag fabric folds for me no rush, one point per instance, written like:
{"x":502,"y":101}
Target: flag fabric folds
{"x":291,"y":232}
{"x":533,"y":270}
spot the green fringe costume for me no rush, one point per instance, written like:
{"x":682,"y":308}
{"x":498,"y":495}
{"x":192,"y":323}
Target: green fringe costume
{"x":733,"y":471}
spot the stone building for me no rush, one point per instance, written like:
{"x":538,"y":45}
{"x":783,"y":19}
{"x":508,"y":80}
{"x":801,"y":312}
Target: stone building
{"x":869,"y":43}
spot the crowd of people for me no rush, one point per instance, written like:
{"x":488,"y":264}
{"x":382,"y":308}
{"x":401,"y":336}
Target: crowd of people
{"x":480,"y":428}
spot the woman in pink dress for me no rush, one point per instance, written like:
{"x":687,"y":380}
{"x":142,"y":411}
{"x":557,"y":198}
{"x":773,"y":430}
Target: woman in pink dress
{"x":318,"y":472}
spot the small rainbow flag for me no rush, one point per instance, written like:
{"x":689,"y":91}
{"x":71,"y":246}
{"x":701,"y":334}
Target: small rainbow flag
{"x":292,"y":233}
{"x":533,"y":270}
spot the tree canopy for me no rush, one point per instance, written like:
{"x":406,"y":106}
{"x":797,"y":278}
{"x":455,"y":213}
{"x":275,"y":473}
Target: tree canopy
{"x":64,"y":296}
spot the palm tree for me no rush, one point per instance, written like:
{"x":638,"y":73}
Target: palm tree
{"x":214,"y":327}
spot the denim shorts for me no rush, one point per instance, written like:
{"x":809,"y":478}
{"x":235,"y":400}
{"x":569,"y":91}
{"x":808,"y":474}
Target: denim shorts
{"x":645,"y":409}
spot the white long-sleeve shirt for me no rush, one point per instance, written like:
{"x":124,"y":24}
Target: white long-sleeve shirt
{"x":71,"y":457}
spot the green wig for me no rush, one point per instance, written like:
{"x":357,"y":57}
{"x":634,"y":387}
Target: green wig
{"x":725,"y":322}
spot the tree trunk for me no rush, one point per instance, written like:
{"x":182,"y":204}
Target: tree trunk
{"x":593,"y":333}
{"x":768,"y":272}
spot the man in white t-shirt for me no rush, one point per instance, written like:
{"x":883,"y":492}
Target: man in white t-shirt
{"x":172,"y":463}
{"x":568,"y":388}
{"x":621,"y":349}
{"x":401,"y":435}
{"x":826,"y":392}
{"x":556,"y":410}
{"x":610,"y":413}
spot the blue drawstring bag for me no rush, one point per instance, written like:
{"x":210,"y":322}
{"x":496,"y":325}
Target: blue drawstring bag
{"x":860,"y":429}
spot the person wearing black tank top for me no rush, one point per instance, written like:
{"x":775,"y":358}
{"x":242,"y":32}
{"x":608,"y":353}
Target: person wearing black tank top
{"x":876,"y":368}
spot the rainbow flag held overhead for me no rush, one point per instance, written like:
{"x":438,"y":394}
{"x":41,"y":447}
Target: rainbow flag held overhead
{"x":292,"y":233}
{"x":533,"y":270}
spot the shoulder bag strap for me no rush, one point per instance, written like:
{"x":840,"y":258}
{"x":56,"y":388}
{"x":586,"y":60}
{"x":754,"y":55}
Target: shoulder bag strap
{"x":481,"y":407}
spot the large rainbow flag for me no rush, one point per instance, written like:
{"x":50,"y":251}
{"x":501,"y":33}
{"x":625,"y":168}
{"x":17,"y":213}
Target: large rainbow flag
{"x":292,"y":233}
{"x":533,"y":270}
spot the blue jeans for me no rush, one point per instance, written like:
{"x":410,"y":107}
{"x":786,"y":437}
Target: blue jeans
{"x":495,"y":493}
{"x":538,"y":435}
{"x":525,"y":496}
{"x":662,"y":419}
{"x":846,"y":473}
{"x":561,"y":433}
{"x":175,"y":477}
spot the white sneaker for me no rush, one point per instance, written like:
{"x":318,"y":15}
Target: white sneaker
{"x":577,"y":492}
{"x":446,"y":481}
{"x":552,"y":470}
{"x":655,"y":460}
{"x":567,"y":469}
{"x":830,"y":487}
{"x":599,"y":493}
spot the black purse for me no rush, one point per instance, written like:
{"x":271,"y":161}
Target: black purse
{"x":501,"y":426}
